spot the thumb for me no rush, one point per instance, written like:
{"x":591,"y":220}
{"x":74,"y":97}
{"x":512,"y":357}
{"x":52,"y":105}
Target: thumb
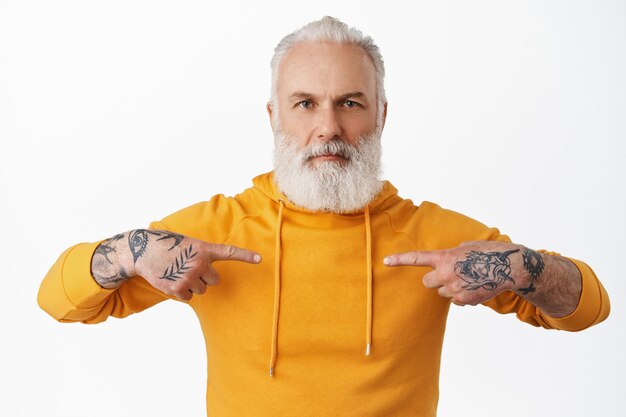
{"x":233,"y":253}
{"x":414,"y":258}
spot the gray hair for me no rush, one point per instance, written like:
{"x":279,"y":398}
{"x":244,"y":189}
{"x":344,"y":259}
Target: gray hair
{"x":330,"y":29}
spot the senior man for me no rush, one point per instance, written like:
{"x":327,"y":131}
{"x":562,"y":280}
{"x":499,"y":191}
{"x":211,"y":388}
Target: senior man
{"x":334,"y":297}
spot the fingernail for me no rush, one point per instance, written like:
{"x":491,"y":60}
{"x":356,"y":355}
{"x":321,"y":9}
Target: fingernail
{"x":387,"y":261}
{"x":257,"y":258}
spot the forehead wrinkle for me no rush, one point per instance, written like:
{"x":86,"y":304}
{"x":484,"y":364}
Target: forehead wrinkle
{"x":321,"y":61}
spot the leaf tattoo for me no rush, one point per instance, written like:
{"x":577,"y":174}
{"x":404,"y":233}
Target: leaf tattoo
{"x":178,"y":268}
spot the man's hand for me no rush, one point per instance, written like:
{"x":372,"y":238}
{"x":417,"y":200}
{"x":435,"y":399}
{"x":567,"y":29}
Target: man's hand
{"x":475,"y":272}
{"x":177,"y":265}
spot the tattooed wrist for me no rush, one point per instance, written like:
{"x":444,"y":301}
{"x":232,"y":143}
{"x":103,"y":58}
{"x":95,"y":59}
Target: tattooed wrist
{"x":533,"y":265}
{"x":138,"y":241}
{"x":107,"y":263}
{"x":114,"y":260}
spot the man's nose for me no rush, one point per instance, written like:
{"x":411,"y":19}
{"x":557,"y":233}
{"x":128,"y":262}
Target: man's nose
{"x":329,"y":126}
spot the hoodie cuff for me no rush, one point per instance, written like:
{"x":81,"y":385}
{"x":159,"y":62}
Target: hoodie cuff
{"x":81,"y":288}
{"x":593,"y":305}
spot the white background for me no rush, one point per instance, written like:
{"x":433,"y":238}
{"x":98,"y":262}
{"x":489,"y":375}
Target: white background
{"x":116,"y":113}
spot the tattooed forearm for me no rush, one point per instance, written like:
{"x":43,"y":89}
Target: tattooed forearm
{"x":548,"y":281}
{"x":138,"y":240}
{"x":533,"y":263}
{"x":177,"y":269}
{"x":486,"y":270}
{"x":560,"y":283}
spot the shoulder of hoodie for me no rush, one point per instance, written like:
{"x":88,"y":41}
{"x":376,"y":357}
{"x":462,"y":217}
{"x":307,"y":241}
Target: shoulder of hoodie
{"x":215,"y":219}
{"x":433,"y":227}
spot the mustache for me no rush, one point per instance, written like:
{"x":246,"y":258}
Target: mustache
{"x":333,"y":147}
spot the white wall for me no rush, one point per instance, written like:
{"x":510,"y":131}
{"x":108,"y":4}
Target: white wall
{"x":116,"y":113}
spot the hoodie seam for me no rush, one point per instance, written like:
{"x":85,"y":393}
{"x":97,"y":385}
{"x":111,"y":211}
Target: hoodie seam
{"x":234,"y":229}
{"x":63,"y":279}
{"x":419,"y":247}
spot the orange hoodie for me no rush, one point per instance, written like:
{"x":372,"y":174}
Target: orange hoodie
{"x":318,"y":301}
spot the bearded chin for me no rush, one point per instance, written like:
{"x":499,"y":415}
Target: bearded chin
{"x":329,"y":186}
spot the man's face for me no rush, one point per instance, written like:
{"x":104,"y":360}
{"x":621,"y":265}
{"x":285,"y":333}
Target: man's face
{"x":327,"y":153}
{"x":326,"y":91}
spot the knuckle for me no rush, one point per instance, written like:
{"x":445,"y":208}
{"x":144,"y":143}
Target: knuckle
{"x":213,"y":249}
{"x":202,"y":247}
{"x":214,"y":279}
{"x":457,"y":302}
{"x":449,"y":257}
{"x":182,"y":293}
{"x":462,"y":298}
{"x":468,"y":299}
{"x":430,"y":279}
{"x":230,"y":251}
{"x":185,"y":296}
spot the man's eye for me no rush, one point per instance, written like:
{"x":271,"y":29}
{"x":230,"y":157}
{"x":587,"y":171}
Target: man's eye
{"x":350,"y":103}
{"x":305,"y":104}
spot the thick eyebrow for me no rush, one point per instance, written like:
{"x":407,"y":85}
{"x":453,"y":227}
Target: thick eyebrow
{"x":300,"y":95}
{"x":353,"y":94}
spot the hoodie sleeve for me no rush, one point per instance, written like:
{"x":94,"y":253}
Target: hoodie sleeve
{"x":593,"y":305}
{"x":69,"y":293}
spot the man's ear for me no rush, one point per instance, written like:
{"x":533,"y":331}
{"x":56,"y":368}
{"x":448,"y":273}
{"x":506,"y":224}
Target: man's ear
{"x":384,"y":114}
{"x":269,"y":109}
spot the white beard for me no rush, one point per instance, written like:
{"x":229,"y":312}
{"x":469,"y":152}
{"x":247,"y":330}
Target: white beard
{"x":331,"y":186}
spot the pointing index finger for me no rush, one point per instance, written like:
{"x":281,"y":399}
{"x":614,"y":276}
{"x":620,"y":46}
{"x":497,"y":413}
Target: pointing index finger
{"x":233,"y":253}
{"x":413,"y":258}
